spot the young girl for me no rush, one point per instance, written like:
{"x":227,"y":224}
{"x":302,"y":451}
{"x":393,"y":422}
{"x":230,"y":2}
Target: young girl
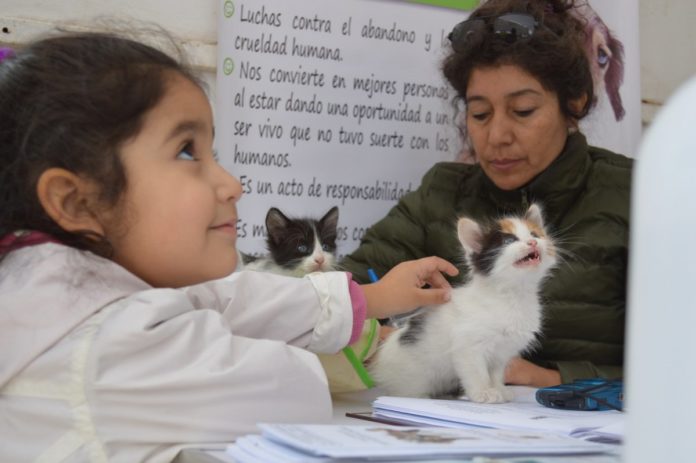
{"x":120,"y":340}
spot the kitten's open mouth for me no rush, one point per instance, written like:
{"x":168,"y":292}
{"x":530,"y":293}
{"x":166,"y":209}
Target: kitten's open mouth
{"x":533,"y":258}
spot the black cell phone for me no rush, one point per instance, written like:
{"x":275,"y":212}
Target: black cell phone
{"x":583,"y":394}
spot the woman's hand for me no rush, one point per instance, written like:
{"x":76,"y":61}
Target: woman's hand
{"x":522,"y":372}
{"x":401,"y":289}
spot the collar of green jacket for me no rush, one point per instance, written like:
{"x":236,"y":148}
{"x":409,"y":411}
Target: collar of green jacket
{"x":557,"y":185}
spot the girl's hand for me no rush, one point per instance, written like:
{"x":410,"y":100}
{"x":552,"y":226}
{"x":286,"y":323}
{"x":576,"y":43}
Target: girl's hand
{"x":523,"y":372}
{"x":401,"y":289}
{"x":385,"y":331}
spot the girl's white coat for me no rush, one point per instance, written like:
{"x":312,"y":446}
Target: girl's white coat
{"x":96,"y":365}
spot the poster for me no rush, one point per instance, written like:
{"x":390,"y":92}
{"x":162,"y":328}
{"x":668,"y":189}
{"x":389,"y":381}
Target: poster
{"x":614,"y":53}
{"x":324,"y":103}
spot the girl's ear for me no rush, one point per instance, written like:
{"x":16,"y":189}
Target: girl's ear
{"x":69,"y":200}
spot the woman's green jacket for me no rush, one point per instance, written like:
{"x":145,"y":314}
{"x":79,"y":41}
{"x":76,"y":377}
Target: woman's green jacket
{"x":585,"y":197}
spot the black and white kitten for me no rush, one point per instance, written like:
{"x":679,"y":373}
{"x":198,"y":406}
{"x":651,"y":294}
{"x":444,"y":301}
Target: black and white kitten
{"x":467,"y":342}
{"x":297,"y":246}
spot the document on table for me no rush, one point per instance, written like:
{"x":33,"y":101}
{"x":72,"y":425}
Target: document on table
{"x":522,"y":413}
{"x":326,"y":443}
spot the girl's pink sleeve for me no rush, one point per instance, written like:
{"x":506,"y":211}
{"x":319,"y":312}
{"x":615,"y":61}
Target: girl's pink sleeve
{"x":357,"y":298}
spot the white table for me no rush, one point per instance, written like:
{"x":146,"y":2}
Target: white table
{"x":361,"y":402}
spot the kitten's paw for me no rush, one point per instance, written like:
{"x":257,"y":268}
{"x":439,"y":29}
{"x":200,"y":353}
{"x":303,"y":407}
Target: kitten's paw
{"x":507,"y":393}
{"x":488,"y":396}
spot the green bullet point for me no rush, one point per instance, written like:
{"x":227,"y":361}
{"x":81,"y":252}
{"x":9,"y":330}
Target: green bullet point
{"x":228,"y":66}
{"x":228,"y":9}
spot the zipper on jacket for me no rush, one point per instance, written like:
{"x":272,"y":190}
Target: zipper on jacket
{"x":525,"y":200}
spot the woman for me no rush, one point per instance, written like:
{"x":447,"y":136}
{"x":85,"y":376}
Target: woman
{"x":521,"y":71}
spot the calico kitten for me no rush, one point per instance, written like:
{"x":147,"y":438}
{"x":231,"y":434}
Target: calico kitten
{"x":467,"y":342}
{"x":297,"y":246}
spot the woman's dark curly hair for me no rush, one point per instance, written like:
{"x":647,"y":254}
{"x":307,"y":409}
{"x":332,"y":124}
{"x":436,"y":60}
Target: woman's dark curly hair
{"x":71,"y":101}
{"x":554,"y":54}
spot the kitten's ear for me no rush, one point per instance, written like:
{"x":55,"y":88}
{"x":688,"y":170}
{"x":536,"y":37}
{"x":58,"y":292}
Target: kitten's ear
{"x":330,"y":219}
{"x":469,"y":234}
{"x":534,"y":215}
{"x":275,"y":223}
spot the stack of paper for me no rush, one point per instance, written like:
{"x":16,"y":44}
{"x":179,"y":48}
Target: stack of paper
{"x":330,"y":443}
{"x":521,"y":414}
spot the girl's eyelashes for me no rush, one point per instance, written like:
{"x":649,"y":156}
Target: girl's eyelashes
{"x":186,"y":153}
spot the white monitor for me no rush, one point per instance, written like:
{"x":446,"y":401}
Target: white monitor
{"x":660,"y":376}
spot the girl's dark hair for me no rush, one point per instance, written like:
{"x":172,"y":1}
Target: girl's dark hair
{"x":554,"y":53}
{"x":71,"y":101}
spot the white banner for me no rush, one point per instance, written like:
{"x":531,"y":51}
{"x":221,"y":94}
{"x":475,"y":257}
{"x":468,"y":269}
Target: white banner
{"x":325,"y":103}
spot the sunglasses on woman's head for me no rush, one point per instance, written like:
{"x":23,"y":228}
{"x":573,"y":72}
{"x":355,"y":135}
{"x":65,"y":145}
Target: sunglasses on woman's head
{"x":510,"y":26}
